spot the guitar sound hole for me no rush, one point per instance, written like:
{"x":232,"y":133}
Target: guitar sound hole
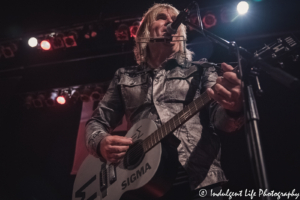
{"x":134,"y":155}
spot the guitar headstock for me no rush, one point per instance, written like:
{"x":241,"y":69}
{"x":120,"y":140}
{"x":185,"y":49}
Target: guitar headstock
{"x":282,"y":46}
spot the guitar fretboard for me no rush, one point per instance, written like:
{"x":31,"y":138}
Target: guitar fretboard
{"x":174,"y":123}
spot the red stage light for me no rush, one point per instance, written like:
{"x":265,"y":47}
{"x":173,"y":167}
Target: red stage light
{"x":93,"y":33}
{"x":61,"y":100}
{"x":70,"y":40}
{"x":45,"y":45}
{"x":133,"y":29}
{"x":209,"y":20}
{"x":57,"y":42}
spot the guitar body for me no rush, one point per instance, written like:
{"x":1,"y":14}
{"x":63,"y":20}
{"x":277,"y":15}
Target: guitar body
{"x":148,"y":176}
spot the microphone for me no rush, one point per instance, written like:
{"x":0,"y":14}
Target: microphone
{"x":172,"y":28}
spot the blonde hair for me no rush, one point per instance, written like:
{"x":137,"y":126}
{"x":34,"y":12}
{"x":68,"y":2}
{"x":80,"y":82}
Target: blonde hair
{"x":143,"y":31}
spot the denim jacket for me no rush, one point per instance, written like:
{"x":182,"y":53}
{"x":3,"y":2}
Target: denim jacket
{"x":141,"y":92}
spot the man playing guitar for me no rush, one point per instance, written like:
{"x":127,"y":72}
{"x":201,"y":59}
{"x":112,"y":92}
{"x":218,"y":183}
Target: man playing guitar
{"x":161,"y":85}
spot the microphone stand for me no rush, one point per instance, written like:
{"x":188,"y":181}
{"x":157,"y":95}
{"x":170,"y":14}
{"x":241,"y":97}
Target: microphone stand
{"x":249,"y":103}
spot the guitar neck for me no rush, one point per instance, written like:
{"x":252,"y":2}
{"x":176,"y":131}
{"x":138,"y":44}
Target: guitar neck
{"x":174,"y":123}
{"x":280,"y":47}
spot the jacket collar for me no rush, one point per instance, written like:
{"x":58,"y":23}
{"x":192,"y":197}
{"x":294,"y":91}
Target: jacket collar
{"x":169,"y":65}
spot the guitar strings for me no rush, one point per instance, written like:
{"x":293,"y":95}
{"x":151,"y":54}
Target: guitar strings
{"x":191,"y":108}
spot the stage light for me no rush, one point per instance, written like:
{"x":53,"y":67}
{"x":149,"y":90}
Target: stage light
{"x":242,"y":7}
{"x":64,"y":96}
{"x":209,"y":20}
{"x":7,"y":52}
{"x":122,"y":33}
{"x":133,"y":29}
{"x":90,"y":31}
{"x":45,"y":45}
{"x":57,"y":42}
{"x":70,"y":39}
{"x":93,"y":33}
{"x":61,"y":100}
{"x":97,"y":94}
{"x":90,"y":34}
{"x":32,"y":42}
{"x":38,"y":101}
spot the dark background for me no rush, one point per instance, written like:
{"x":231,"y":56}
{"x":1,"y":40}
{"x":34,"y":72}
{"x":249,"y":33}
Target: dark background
{"x":38,"y":144}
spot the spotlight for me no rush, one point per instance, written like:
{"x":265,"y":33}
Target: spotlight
{"x":90,"y":31}
{"x":63,"y":97}
{"x":242,"y":7}
{"x":57,"y":42}
{"x":32,"y":42}
{"x":133,"y":29}
{"x":122,"y":33}
{"x":8,"y":51}
{"x":209,"y":20}
{"x":38,"y":101}
{"x":93,"y":33}
{"x":70,"y":39}
{"x":45,"y":45}
{"x":61,"y":100}
{"x":97,"y":94}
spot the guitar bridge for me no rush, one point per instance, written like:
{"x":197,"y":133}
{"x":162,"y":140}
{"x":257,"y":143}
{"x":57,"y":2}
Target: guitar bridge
{"x":112,"y":173}
{"x":103,"y":180}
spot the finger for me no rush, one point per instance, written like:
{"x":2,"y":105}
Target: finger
{"x":226,"y":105}
{"x":210,"y":93}
{"x":218,"y":92}
{"x":226,"y":68}
{"x":232,"y":78}
{"x":117,"y":149}
{"x":119,"y":140}
{"x":220,"y":99}
{"x":225,"y":83}
{"x":118,"y":156}
{"x":222,"y":92}
{"x":215,"y":96}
